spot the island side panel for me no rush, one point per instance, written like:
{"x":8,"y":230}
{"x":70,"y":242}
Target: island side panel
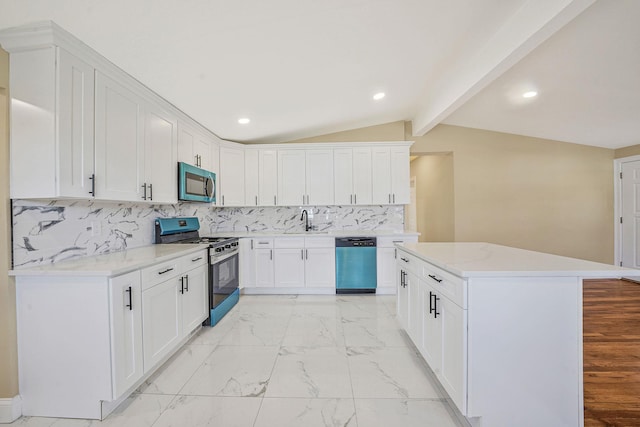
{"x":525,"y":351}
{"x":63,"y":345}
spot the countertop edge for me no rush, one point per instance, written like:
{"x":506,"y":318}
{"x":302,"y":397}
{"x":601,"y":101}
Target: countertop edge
{"x":59,"y":270}
{"x":613,"y":272}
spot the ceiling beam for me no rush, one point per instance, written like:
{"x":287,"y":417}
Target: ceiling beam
{"x":532,"y":24}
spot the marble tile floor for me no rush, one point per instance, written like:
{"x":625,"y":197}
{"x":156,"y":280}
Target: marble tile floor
{"x":300,"y":361}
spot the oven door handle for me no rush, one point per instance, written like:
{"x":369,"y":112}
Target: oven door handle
{"x":214,"y":260}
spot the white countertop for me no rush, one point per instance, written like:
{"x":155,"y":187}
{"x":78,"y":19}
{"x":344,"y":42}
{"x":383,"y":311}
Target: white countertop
{"x":489,"y":260}
{"x":111,"y":264}
{"x":335,"y":233}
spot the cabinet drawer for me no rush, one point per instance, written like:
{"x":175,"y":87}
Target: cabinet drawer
{"x":289,"y":243}
{"x":261,"y":243}
{"x":159,"y":273}
{"x":193,"y":260}
{"x":390,"y":242}
{"x":449,"y":285}
{"x":410,"y":263}
{"x":319,"y":242}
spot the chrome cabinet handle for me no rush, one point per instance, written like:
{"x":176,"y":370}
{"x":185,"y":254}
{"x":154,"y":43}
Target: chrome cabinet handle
{"x":274,"y":201}
{"x":394,"y":197}
{"x":307,"y":253}
{"x":151,"y":192}
{"x":271,"y":255}
{"x":302,"y":254}
{"x":144,"y":197}
{"x":186,"y":278}
{"x":355,"y":199}
{"x":256,"y":200}
{"x":389,"y":197}
{"x":351,"y":198}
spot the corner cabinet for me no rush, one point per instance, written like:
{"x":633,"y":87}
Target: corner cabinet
{"x":104,"y":335}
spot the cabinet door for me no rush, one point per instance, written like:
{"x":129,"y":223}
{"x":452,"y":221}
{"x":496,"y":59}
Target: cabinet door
{"x":195,"y":298}
{"x":386,"y":265}
{"x":251,"y":178}
{"x":263,"y":268}
{"x":381,"y":175}
{"x":343,"y":176}
{"x":320,"y":268}
{"x":202,"y":149}
{"x":160,"y":156}
{"x":453,"y":372}
{"x":119,"y":142}
{"x":186,"y":142}
{"x":161,"y":320}
{"x":319,"y":177}
{"x":402,"y":308}
{"x":231,"y":176}
{"x":415,"y":286}
{"x":291,"y":177}
{"x":362,"y":187}
{"x":126,"y":332}
{"x":289,"y":268}
{"x":268,"y":182}
{"x":431,"y":348}
{"x":75,"y":125}
{"x":400,"y":175}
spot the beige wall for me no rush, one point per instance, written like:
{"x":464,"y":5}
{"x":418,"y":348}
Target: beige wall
{"x":526,"y":192}
{"x":434,"y":197}
{"x":8,"y":355}
{"x":633,"y":150}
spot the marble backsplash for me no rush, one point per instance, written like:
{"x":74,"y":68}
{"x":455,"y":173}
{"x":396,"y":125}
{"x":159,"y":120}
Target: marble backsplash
{"x":51,"y":232}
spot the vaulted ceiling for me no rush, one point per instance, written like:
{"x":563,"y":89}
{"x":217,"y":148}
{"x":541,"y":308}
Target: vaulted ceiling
{"x":301,"y":68}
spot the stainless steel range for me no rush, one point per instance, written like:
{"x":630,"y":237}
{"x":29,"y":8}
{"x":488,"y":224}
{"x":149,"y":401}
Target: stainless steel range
{"x":223,"y":262}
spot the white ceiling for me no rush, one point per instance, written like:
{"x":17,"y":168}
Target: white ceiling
{"x":301,"y":68}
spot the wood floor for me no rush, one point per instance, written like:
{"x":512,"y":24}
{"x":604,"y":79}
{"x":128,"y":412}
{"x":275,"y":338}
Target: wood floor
{"x":611,"y":353}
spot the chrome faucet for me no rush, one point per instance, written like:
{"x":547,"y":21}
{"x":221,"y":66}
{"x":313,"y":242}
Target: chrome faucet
{"x":305,"y":215}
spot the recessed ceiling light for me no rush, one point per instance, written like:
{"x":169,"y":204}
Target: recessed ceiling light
{"x":378,"y":96}
{"x":530,"y":94}
{"x":243,"y":121}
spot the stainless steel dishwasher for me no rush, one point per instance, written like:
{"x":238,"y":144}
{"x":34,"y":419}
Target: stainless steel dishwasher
{"x":356,"y":270}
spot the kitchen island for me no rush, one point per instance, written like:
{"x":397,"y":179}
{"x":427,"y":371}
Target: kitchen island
{"x":500,"y":327}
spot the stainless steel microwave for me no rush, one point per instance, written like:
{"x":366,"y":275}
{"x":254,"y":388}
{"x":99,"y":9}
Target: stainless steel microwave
{"x":196,"y":184}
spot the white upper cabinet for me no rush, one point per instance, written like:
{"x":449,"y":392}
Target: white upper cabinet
{"x":120,"y":128}
{"x":291,"y":177}
{"x":231,"y":179}
{"x":352,"y":172}
{"x":400,"y":180}
{"x":268,"y":177}
{"x":52,"y":126}
{"x":261,"y":177}
{"x":161,"y":167}
{"x":251,"y":177}
{"x":319,"y":177}
{"x":194,"y":147}
{"x":390,"y":176}
{"x":305,"y":177}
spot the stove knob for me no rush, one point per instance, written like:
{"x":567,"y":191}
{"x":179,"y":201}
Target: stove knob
{"x":219,"y":249}
{"x":227,"y":245}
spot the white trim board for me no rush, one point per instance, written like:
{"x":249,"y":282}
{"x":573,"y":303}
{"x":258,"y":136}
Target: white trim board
{"x":617,"y":205}
{"x":10,"y":409}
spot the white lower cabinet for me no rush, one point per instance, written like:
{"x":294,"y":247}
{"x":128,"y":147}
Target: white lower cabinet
{"x":428,"y":310}
{"x":162,"y":320}
{"x":126,"y":331}
{"x":174,"y":303}
{"x":386,"y":255}
{"x":102,"y":335}
{"x":293,"y":263}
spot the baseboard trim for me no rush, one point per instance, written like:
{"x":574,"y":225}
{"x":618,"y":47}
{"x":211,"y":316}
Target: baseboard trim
{"x":10,"y":409}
